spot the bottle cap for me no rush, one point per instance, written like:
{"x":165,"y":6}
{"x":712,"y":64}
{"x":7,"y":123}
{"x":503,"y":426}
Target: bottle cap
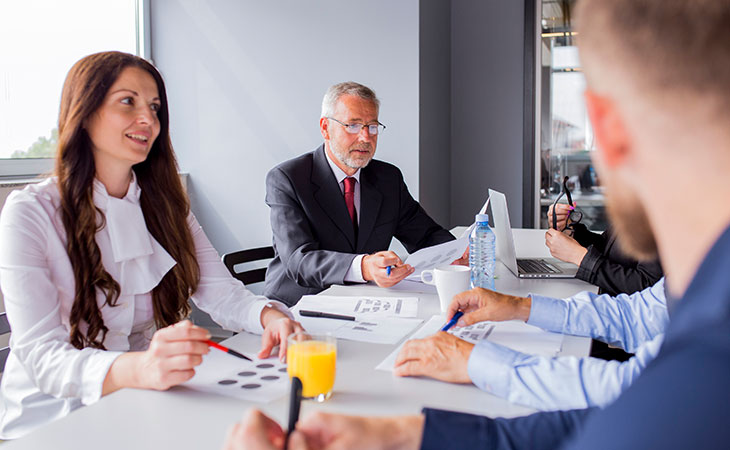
{"x":482,"y":217}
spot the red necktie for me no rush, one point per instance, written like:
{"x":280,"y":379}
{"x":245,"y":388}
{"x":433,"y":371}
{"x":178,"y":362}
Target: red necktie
{"x":350,"y":199}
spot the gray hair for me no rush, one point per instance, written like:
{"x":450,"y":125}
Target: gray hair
{"x":346,"y":88}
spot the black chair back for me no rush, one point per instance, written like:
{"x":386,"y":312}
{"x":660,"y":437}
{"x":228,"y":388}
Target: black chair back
{"x":4,"y":330}
{"x":231,"y":260}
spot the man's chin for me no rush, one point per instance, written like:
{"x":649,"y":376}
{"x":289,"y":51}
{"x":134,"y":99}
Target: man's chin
{"x":633,"y":230}
{"x":357,"y":163}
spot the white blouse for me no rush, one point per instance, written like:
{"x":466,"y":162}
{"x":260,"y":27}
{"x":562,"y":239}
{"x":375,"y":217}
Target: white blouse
{"x":46,"y":377}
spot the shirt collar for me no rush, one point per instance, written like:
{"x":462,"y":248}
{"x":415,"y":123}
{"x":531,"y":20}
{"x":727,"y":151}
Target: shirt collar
{"x":124,"y":221}
{"x":339,"y":173}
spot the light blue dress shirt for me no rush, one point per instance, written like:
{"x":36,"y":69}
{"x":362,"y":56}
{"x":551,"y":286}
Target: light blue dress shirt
{"x":633,"y":322}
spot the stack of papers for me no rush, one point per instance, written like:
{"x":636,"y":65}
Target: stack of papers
{"x":516,"y":335}
{"x":380,"y":320}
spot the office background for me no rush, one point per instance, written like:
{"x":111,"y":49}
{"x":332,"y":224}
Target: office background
{"x":245,"y":81}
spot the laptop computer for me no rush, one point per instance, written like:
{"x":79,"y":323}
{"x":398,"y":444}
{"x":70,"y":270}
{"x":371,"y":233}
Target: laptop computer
{"x":522,"y":267}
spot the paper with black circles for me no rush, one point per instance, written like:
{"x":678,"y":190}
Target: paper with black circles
{"x":261,"y":381}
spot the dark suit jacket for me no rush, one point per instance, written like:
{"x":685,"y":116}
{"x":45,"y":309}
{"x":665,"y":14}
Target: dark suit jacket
{"x":680,"y":401}
{"x":313,"y":236}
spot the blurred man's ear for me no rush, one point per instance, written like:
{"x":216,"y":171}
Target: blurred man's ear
{"x":609,"y":130}
{"x":324,"y":128}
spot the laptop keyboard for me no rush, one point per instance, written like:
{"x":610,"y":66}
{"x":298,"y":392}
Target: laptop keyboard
{"x":536,"y":266}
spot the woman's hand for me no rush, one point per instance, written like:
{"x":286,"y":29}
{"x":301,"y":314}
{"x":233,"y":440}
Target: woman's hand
{"x":172,"y":355}
{"x":564,"y":247}
{"x":562,"y":211}
{"x":277,"y":327}
{"x":170,"y":360}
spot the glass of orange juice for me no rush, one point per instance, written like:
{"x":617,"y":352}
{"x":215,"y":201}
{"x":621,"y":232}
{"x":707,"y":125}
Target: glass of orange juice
{"x":312,"y":358}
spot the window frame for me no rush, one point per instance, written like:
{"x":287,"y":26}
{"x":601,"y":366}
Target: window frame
{"x":24,"y":168}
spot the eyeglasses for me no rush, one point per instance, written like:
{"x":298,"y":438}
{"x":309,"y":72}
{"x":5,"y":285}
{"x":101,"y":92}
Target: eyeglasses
{"x":574,"y":216}
{"x":354,"y":128}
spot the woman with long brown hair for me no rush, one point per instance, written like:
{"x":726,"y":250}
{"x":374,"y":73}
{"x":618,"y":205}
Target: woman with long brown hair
{"x":98,"y":263}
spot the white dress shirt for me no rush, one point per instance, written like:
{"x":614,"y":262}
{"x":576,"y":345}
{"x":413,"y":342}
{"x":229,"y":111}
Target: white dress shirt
{"x":354,"y":273}
{"x":46,"y":377}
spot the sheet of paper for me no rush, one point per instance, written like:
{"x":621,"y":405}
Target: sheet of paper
{"x":415,"y":286}
{"x":381,"y":330}
{"x":261,"y":381}
{"x":514,"y":334}
{"x":360,"y":307}
{"x":469,"y":229}
{"x":434,"y":324}
{"x":437,"y":255}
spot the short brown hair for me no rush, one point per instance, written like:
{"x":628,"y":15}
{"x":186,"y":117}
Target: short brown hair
{"x":665,"y":45}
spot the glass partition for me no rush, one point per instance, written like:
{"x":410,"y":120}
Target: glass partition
{"x":564,"y":132}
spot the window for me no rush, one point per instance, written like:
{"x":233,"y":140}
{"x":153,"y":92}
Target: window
{"x":565,"y":133}
{"x":39,"y":42}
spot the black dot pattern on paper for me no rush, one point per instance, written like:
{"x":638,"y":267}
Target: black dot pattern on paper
{"x":246,"y":374}
{"x":265,"y":366}
{"x":224,"y":382}
{"x":270,"y":377}
{"x":250,"y":386}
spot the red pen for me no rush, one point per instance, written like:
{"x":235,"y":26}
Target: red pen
{"x":227,"y":350}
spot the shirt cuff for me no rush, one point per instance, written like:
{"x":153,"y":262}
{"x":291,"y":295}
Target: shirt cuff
{"x":548,"y":313}
{"x":354,"y":273}
{"x":254,"y":314}
{"x":587,"y":267}
{"x":97,"y":369}
{"x":490,"y":365}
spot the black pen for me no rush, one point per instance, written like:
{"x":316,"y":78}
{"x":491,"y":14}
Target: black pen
{"x":324,"y":315}
{"x":295,"y":403}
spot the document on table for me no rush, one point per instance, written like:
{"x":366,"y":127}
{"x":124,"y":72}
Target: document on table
{"x":513,"y":334}
{"x":436,"y":255}
{"x":380,"y":320}
{"x":371,"y":307}
{"x":261,"y":381}
{"x":414,"y":286}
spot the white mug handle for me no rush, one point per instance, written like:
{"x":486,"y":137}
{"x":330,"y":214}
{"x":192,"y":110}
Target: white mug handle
{"x":430,"y":273}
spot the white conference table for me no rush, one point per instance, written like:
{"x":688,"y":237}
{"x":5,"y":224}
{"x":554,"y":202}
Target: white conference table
{"x":184,"y":419}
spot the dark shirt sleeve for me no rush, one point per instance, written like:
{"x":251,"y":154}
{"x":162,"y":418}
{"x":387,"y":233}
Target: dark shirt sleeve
{"x":585,"y":237}
{"x":416,"y":229}
{"x":607,"y":267}
{"x":447,"y":430}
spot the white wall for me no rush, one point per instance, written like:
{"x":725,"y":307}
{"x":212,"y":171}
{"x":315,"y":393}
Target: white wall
{"x":245,"y":81}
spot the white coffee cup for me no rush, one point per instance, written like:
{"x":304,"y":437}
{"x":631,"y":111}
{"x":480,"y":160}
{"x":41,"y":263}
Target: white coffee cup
{"x":449,"y":281}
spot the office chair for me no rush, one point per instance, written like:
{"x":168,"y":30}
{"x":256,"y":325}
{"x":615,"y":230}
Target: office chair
{"x":250,"y":276}
{"x":4,"y":330}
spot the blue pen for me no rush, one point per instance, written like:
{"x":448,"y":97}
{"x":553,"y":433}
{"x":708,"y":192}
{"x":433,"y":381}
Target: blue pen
{"x":387,"y":270}
{"x":453,"y":321}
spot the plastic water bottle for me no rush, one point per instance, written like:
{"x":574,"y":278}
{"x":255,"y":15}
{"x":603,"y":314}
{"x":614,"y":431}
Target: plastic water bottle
{"x":482,"y":253}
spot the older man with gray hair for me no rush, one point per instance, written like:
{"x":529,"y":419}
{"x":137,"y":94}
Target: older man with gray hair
{"x":335,"y":210}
